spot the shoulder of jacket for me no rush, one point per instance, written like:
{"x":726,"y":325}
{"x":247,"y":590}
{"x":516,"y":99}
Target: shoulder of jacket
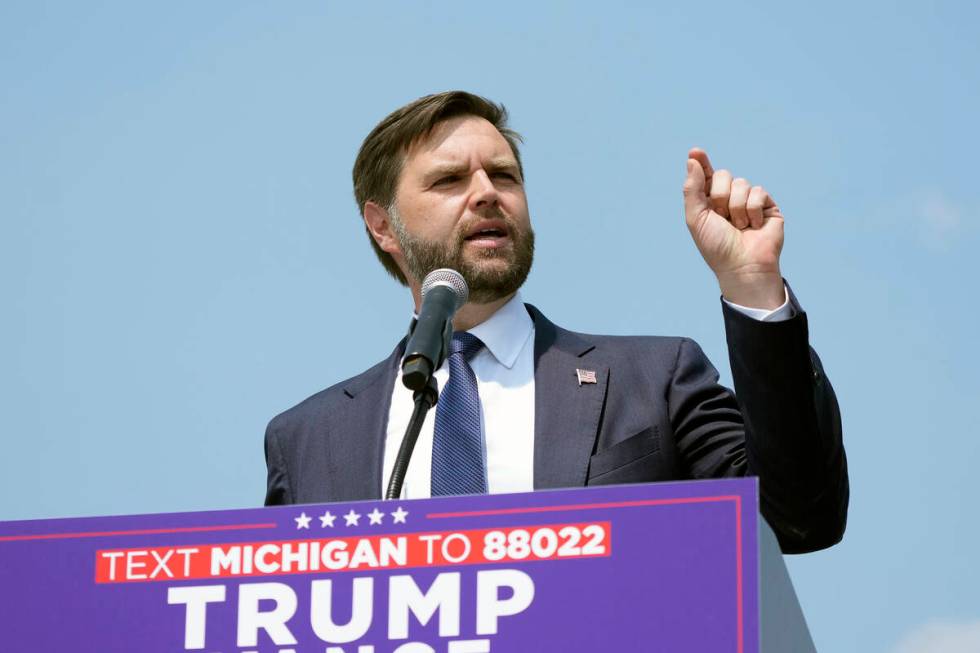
{"x":325,"y":400}
{"x":608,"y":343}
{"x":635,"y":345}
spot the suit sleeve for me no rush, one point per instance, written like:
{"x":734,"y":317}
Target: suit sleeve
{"x":277,"y":481}
{"x":782,"y":425}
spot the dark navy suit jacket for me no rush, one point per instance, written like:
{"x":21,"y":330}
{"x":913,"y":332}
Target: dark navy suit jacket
{"x":656,"y":413}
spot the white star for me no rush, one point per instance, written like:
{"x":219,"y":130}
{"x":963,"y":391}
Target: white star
{"x":352,"y":518}
{"x":399,"y":516}
{"x":376,"y":516}
{"x":326,"y":519}
{"x":302,"y":521}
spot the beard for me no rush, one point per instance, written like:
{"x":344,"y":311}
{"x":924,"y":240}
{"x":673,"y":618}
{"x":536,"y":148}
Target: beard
{"x":487,"y":280}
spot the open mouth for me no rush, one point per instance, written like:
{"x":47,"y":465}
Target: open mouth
{"x":488,"y":233}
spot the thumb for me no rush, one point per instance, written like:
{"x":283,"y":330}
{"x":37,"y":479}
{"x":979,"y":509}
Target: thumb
{"x":695,"y":200}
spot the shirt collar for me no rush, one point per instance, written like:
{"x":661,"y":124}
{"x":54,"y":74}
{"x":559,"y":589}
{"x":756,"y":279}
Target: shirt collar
{"x":505,"y":332}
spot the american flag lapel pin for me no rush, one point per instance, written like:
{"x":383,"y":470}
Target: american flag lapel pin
{"x":585,"y":376}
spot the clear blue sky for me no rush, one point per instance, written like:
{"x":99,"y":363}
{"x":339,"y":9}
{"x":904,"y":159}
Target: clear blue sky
{"x":181,"y":257}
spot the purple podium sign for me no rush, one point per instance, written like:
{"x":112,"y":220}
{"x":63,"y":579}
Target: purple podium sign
{"x":660,"y":567}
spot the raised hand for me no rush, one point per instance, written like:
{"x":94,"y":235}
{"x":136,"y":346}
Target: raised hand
{"x":738,"y":228}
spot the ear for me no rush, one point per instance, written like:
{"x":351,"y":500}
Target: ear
{"x":379,"y":224}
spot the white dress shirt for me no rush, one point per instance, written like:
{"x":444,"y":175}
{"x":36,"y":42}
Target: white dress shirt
{"x":504,"y":371}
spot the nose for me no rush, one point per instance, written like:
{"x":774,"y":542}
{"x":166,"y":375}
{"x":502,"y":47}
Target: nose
{"x":483,"y":193}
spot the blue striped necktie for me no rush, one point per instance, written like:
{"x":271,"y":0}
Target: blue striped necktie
{"x":457,"y":445}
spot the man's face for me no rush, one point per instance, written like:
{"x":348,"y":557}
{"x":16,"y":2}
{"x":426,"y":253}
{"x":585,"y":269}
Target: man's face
{"x":460,"y":204}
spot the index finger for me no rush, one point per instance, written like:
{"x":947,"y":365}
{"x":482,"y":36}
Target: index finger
{"x":701,"y":157}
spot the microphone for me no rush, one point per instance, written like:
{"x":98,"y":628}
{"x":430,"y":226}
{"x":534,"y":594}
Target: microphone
{"x":444,"y":292}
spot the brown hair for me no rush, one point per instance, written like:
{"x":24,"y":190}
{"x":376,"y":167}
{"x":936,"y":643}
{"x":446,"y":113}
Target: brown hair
{"x":382,"y":154}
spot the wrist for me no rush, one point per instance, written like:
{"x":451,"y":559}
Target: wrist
{"x":756,"y":290}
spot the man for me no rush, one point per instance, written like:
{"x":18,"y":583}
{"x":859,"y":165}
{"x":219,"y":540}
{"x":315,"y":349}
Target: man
{"x":528,"y":405}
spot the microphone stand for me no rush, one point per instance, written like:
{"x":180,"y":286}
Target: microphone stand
{"x":425,"y":399}
{"x":417,"y":374}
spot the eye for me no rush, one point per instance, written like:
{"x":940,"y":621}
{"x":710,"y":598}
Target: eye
{"x":508,"y":176}
{"x":446,"y":181}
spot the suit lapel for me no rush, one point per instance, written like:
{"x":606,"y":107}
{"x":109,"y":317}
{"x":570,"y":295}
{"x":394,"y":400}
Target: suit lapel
{"x":364,"y":429}
{"x":566,"y":413}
